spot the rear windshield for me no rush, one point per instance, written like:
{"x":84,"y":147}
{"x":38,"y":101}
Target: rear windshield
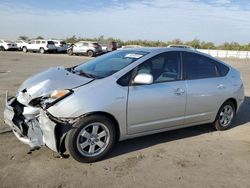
{"x":51,"y":42}
{"x":62,"y":42}
{"x":7,"y":41}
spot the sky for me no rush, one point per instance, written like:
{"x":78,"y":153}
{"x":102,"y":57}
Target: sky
{"x":209,"y":20}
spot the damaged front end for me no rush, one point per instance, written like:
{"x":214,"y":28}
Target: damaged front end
{"x":27,"y":115}
{"x":34,"y":126}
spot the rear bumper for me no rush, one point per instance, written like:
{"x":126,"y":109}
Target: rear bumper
{"x":50,"y":49}
{"x":240,"y":97}
{"x":30,"y":125}
{"x":12,"y":48}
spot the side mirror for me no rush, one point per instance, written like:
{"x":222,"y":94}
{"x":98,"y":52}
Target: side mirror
{"x":143,"y":78}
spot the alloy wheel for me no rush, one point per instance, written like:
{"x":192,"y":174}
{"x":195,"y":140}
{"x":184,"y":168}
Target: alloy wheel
{"x":93,"y":139}
{"x":226,"y":115}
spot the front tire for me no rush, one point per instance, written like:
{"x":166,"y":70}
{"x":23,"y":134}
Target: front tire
{"x":2,"y":48}
{"x":91,"y":139}
{"x":70,"y":52}
{"x":225,"y":116}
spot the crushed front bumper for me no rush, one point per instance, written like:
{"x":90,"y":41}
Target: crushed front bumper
{"x":30,"y":125}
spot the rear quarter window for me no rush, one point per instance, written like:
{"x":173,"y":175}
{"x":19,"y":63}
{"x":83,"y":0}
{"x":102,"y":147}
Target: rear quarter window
{"x":222,"y":69}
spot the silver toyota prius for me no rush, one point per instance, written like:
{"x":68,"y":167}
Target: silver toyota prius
{"x":84,"y":110}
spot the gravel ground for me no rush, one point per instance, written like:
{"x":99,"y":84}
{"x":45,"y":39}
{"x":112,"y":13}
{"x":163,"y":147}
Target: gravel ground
{"x":190,"y":157}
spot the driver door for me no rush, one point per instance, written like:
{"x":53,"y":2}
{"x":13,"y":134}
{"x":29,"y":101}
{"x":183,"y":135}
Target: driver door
{"x":161,"y":104}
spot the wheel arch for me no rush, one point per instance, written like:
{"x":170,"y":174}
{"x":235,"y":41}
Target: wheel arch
{"x":234,"y":101}
{"x":61,"y":130}
{"x":111,"y":117}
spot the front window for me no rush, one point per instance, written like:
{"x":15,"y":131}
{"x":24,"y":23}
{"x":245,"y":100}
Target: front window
{"x":163,"y":67}
{"x":108,"y":64}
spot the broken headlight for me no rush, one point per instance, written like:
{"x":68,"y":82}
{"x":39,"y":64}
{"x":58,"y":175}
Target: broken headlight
{"x":51,"y":98}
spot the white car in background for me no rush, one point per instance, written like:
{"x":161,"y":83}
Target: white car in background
{"x":20,"y":44}
{"x":61,"y":46}
{"x":7,"y":45}
{"x":41,"y":46}
{"x":88,"y":48}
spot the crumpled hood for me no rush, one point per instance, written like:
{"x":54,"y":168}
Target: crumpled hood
{"x":56,"y":78}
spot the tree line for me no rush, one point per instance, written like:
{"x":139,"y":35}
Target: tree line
{"x":196,"y":43}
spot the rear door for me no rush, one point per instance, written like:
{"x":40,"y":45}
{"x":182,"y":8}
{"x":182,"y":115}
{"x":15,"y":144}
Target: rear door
{"x":51,"y":45}
{"x":161,"y":104}
{"x":37,"y":45}
{"x":206,"y":88}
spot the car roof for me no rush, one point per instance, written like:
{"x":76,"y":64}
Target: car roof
{"x":168,"y":49}
{"x":155,"y":49}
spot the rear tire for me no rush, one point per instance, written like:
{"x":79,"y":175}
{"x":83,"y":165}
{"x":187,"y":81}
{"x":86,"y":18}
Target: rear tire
{"x":91,"y":139}
{"x":41,"y":50}
{"x":25,"y":50}
{"x":225,"y":116}
{"x":90,"y":53}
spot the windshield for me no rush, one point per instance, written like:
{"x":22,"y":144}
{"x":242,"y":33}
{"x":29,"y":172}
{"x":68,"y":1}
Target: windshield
{"x":108,"y":64}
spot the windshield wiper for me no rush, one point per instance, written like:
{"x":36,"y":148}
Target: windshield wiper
{"x":81,"y":73}
{"x":86,"y":74}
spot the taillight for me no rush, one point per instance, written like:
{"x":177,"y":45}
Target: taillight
{"x":47,"y":46}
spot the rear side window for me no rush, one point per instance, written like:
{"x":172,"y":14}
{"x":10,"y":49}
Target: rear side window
{"x":62,"y":42}
{"x":38,"y":42}
{"x":198,"y":67}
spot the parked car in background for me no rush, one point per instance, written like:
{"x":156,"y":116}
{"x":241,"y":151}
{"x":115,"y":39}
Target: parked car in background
{"x":61,"y":46}
{"x":88,"y":48}
{"x":20,"y":44}
{"x":104,"y":48}
{"x":111,"y":46}
{"x":121,"y":95}
{"x":41,"y":46}
{"x":7,"y":45}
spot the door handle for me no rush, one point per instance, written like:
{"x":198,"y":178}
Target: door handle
{"x":221,"y":86}
{"x":179,"y":91}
